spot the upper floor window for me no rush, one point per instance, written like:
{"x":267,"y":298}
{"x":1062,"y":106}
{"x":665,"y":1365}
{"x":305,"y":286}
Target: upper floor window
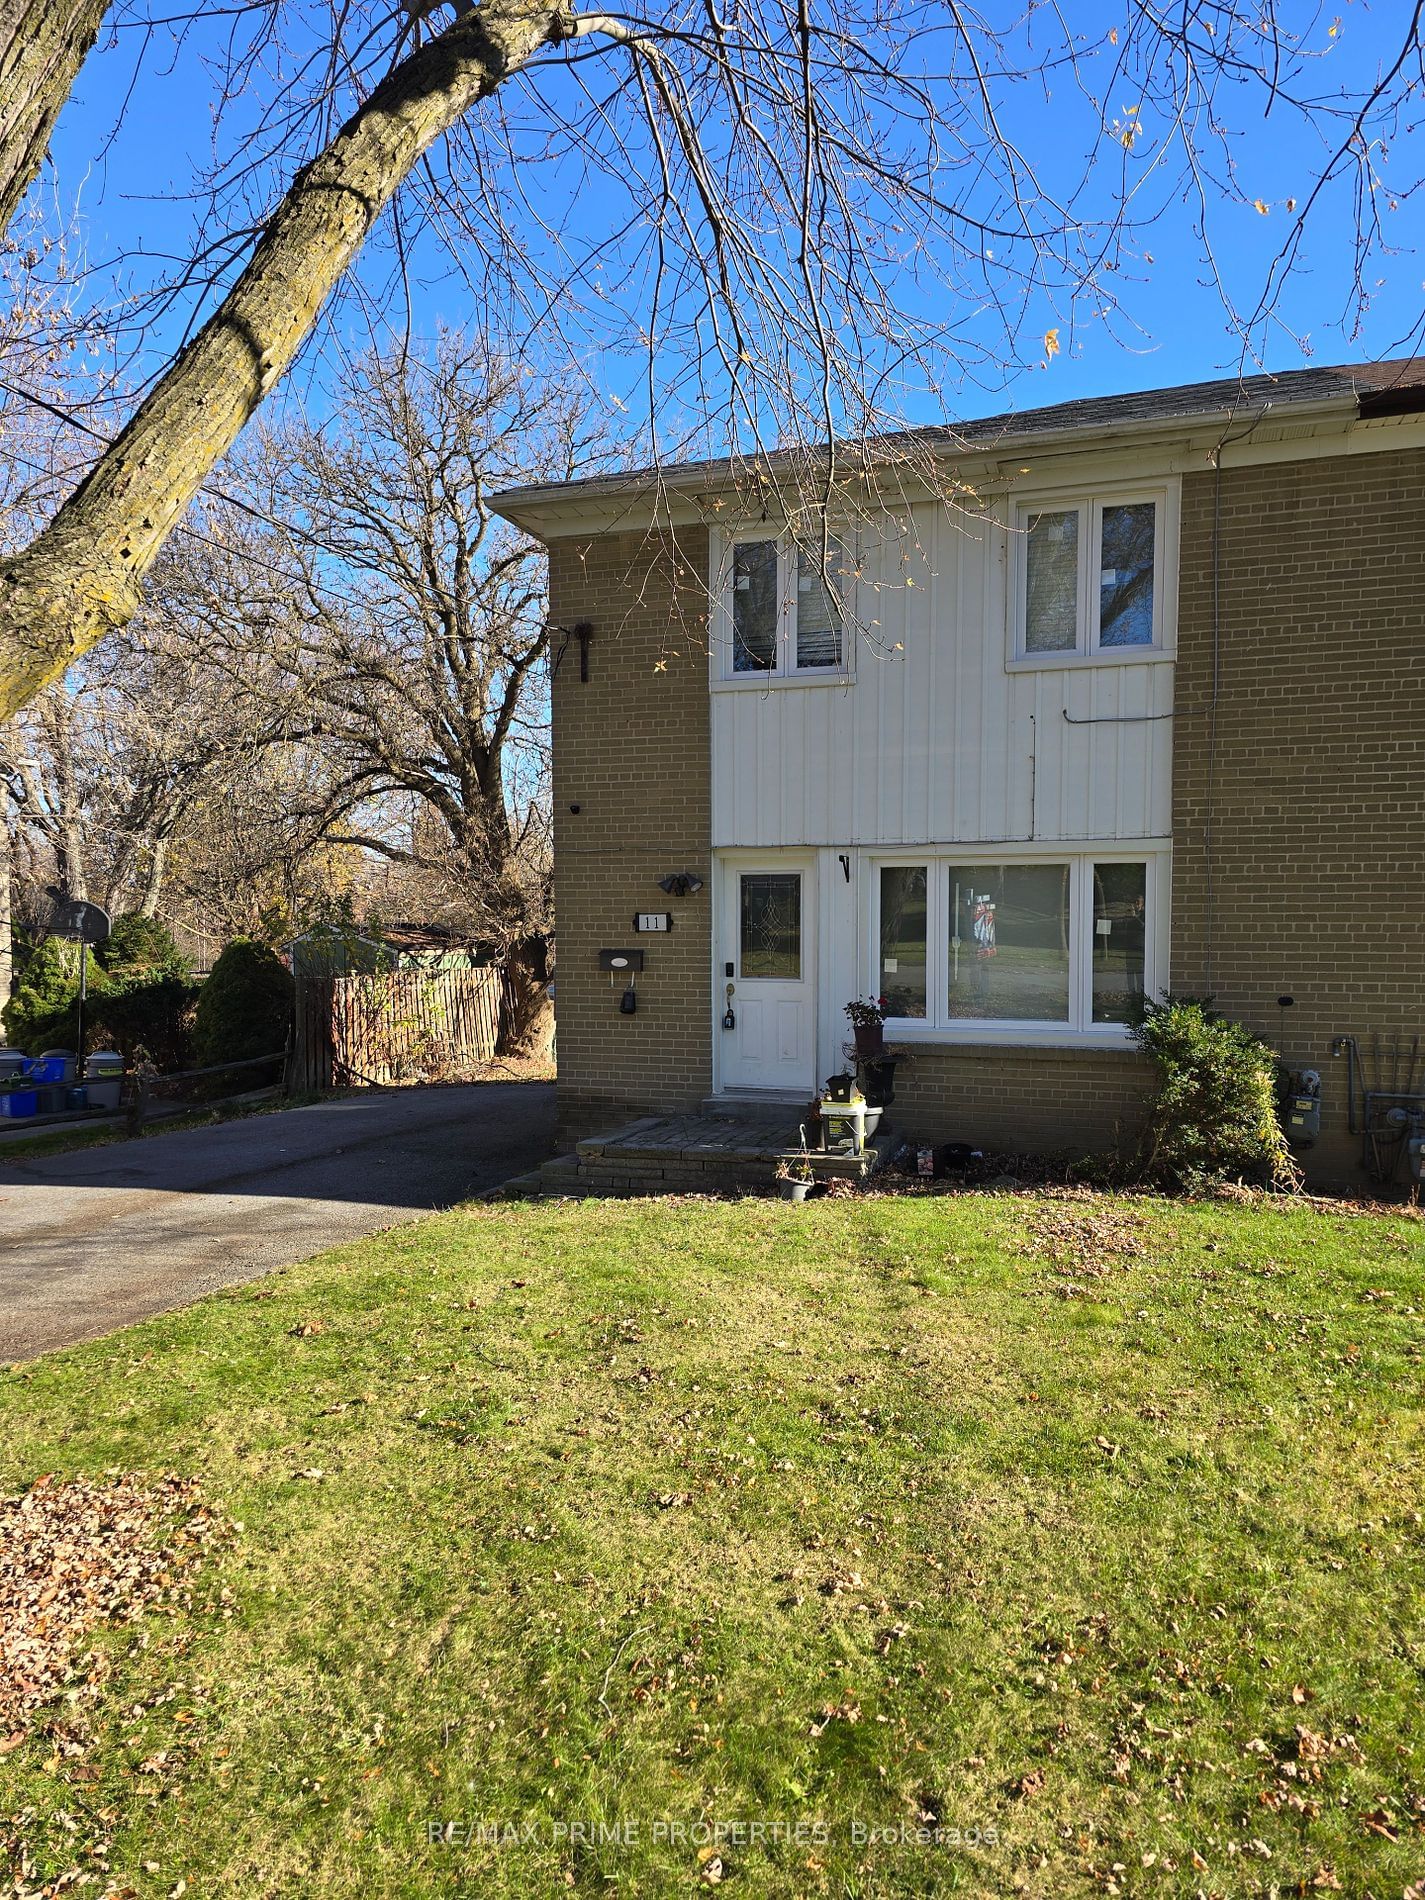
{"x":1089,"y":575}
{"x":783,"y":606}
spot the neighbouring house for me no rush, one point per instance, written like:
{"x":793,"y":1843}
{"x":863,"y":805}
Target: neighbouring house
{"x":1144,"y":709}
{"x":340,"y":950}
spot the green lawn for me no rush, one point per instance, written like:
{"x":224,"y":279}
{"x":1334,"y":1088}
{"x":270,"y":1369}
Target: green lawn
{"x":1086,"y":1533}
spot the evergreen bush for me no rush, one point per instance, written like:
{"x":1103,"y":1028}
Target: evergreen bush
{"x":1215,"y":1113}
{"x":245,"y":1007}
{"x":142,"y":945}
{"x":44,"y":1011}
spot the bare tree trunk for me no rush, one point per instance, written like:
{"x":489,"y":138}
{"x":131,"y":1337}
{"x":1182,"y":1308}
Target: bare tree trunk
{"x":69,"y":856}
{"x":81,"y":578}
{"x":153,"y":883}
{"x":526,"y":1013}
{"x":42,"y":46}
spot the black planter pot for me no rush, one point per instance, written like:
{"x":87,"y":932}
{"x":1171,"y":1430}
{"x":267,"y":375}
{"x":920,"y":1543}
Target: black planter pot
{"x":878,"y":1079}
{"x":870,"y":1038}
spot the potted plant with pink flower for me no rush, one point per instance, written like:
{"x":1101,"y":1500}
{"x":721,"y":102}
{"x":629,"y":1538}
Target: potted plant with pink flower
{"x":868,"y":1021}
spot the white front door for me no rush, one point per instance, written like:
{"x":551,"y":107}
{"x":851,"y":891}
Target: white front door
{"x":767,"y":976}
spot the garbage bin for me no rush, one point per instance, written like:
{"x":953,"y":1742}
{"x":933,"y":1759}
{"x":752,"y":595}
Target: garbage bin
{"x":12,"y":1062}
{"x":53,"y":1065}
{"x":104,"y":1078}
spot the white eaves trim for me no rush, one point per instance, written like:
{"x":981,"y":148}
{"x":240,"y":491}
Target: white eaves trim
{"x":702,"y":495}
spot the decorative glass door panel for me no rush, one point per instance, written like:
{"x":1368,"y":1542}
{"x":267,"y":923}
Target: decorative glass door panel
{"x":771,"y":935}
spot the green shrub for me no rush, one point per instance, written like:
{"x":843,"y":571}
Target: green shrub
{"x":1215,"y":1113}
{"x":245,"y":1007}
{"x":155,"y":1016}
{"x":44,"y":1011}
{"x":139,"y":944}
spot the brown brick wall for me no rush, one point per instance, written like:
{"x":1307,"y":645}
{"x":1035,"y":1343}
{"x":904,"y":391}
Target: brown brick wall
{"x":1297,"y":838}
{"x":631,"y":749}
{"x":1041,"y":1101}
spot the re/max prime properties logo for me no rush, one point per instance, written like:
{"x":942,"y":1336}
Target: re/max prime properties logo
{"x":740,"y":1832}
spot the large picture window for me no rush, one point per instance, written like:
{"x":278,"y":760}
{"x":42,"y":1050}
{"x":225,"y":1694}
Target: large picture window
{"x":1088,"y":576}
{"x":1060,"y":945}
{"x":784,"y":606}
{"x":1009,"y":943}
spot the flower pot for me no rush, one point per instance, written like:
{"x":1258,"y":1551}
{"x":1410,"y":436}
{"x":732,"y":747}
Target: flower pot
{"x":795,"y":1190}
{"x":878,"y":1079}
{"x":870,"y":1038}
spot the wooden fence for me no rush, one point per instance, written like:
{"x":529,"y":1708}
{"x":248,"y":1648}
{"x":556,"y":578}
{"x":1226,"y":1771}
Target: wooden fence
{"x":393,"y":1027}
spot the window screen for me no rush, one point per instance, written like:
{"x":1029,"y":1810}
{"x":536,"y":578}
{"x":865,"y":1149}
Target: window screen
{"x":818,"y":610}
{"x":1051,"y":612}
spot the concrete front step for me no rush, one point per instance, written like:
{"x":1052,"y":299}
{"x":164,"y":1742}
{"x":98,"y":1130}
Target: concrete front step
{"x":698,"y":1155}
{"x":691,"y":1154}
{"x":765,"y":1107}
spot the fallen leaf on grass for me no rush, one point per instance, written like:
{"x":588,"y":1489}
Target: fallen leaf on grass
{"x":1080,"y":1235}
{"x":1380,"y":1821}
{"x":307,"y":1328}
{"x":837,"y":1582}
{"x":75,"y":1553}
{"x":841,"y":1712}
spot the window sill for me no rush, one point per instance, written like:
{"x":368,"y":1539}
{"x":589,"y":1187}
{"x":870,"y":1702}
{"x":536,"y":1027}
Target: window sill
{"x":1108,"y":656}
{"x":779,"y":682}
{"x":985,"y":1045}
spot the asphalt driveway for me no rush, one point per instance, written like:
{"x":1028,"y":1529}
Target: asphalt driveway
{"x":93,"y":1240}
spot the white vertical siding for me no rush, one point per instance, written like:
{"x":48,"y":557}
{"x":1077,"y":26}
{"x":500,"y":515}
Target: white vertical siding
{"x":937,"y":739}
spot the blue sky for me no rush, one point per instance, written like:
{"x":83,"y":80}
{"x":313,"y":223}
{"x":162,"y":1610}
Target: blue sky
{"x":127,"y":145}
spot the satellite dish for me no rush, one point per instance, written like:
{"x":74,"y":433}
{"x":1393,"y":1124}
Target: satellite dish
{"x":78,"y":920}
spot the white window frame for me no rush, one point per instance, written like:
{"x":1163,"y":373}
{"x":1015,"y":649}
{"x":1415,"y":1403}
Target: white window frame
{"x":1089,"y":504}
{"x":723,"y":542}
{"x":1079,"y":1030}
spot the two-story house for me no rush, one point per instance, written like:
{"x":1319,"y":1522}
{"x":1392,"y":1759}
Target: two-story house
{"x":1143,"y":708}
